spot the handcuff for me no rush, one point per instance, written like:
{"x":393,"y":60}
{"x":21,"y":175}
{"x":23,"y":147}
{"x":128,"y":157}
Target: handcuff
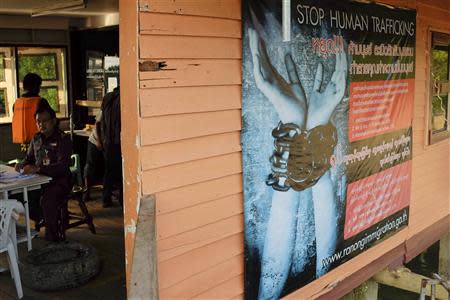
{"x":300,"y":157}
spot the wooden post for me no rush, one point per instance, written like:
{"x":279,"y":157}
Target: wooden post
{"x":144,"y":278}
{"x":404,"y":279}
{"x":444,"y":257}
{"x":366,"y":291}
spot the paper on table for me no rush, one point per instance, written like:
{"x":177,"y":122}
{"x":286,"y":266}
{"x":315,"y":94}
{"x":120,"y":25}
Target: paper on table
{"x":9,"y":176}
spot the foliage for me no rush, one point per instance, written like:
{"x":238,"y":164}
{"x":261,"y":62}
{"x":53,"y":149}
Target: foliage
{"x":42,"y":64}
{"x":3,"y":108}
{"x":2,"y":67}
{"x":438,"y":104}
{"x":440,"y":72}
{"x":51,"y":94}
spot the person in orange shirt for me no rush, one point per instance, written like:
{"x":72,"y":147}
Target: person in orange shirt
{"x":23,"y":123}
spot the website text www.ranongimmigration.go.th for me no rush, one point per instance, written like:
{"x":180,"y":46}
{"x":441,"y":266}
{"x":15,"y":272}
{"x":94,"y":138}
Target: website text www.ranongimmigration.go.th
{"x":360,"y":244}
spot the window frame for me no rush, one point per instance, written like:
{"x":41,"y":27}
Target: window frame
{"x":10,"y":82}
{"x":437,"y":136}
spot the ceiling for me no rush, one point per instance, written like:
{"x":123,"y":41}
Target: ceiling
{"x":25,"y":7}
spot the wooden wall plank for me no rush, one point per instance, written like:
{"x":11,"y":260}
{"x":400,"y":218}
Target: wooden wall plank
{"x":160,"y":155}
{"x":193,"y":239}
{"x":432,"y":14}
{"x":437,"y":210}
{"x":436,"y":4}
{"x":230,"y":9}
{"x":186,"y":196}
{"x":179,"y":100}
{"x":163,"y":46}
{"x":193,"y":72}
{"x":168,"y":24}
{"x":436,"y":150}
{"x":188,"y":173}
{"x":227,"y":290}
{"x":420,"y":222}
{"x":200,"y":260}
{"x":203,"y":281}
{"x":206,"y":213}
{"x":421,"y":195}
{"x":177,"y":127}
{"x":421,"y":212}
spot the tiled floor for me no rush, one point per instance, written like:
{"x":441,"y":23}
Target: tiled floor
{"x":109,"y":242}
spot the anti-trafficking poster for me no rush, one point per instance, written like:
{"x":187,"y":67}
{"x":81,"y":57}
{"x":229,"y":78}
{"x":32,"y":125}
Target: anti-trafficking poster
{"x":328,"y":94}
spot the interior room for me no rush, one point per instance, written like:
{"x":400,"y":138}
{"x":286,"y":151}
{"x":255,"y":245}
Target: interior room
{"x":74,"y":47}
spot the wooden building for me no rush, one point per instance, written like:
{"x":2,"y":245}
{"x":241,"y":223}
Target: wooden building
{"x":181,"y":84}
{"x":181,"y":109}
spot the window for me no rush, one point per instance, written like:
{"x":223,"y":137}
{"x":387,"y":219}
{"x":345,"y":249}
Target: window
{"x":2,"y":66}
{"x":44,"y":63}
{"x":49,"y":63}
{"x":8,"y":90}
{"x":51,"y":94}
{"x":440,"y":89}
{"x":3,"y":103}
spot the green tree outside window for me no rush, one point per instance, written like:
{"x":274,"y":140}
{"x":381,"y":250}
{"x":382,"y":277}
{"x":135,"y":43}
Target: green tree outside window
{"x":42,"y":64}
{"x":439,"y":73}
{"x":3,"y":104}
{"x":2,"y":67}
{"x":51,"y":94}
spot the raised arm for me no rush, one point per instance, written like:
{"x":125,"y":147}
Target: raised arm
{"x":288,"y":98}
{"x":322,"y":104}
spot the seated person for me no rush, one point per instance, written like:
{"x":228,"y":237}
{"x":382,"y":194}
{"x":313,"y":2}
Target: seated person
{"x":49,"y":154}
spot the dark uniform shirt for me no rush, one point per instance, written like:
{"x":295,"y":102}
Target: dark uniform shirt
{"x":51,"y":154}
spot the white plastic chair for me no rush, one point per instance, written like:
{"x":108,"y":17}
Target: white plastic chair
{"x":9,"y":210}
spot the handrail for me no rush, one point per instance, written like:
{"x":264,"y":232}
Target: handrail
{"x":437,"y":279}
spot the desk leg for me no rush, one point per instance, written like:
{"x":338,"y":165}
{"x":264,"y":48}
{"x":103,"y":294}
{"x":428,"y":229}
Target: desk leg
{"x":27,"y":217}
{"x":5,"y":195}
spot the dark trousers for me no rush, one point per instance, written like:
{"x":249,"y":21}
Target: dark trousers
{"x":54,"y":208}
{"x":113,"y":173}
{"x":93,"y":157}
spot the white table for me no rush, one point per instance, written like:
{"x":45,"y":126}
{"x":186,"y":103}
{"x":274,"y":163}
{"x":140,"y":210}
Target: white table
{"x":23,"y":186}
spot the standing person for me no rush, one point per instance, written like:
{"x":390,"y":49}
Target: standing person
{"x":93,"y":155}
{"x":49,"y":154}
{"x":23,"y":123}
{"x":109,"y":135}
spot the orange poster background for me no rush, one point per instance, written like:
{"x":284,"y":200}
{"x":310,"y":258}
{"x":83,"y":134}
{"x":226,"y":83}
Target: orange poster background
{"x":377,"y":107}
{"x":376,"y":197}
